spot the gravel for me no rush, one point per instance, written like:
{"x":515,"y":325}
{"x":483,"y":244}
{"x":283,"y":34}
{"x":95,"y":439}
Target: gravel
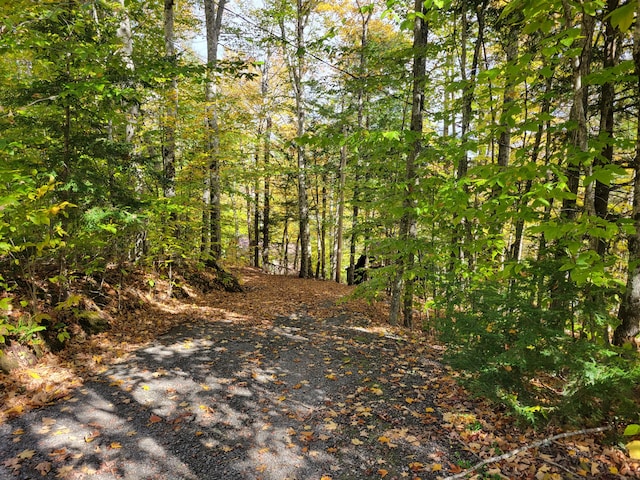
{"x":300,"y":399}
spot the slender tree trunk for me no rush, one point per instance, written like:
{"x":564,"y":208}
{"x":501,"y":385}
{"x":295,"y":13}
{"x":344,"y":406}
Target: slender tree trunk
{"x":342,"y":175}
{"x":365,"y":18}
{"x":462,"y":233}
{"x":266,"y":160}
{"x":577,"y":144}
{"x":408,"y":223}
{"x":170,"y":118}
{"x":212,"y":190}
{"x":256,"y":219}
{"x":297,"y":67}
{"x":515,"y":251}
{"x":629,"y":312}
{"x":606,"y":133}
{"x":504,"y":142}
{"x":266,"y":208}
{"x":578,"y":141}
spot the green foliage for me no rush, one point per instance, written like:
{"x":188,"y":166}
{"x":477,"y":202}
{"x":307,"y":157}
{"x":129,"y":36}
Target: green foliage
{"x":522,"y":355}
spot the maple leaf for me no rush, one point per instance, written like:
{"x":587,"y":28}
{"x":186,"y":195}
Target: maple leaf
{"x":26,"y":454}
{"x":115,"y":445}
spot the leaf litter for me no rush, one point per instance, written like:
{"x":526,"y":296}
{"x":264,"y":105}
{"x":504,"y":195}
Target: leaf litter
{"x":289,"y":379}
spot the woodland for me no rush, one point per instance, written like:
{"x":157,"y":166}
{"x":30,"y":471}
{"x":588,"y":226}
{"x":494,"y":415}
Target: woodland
{"x":474,"y":165}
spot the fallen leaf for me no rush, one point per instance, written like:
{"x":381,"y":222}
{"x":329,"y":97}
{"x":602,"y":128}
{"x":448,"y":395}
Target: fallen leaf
{"x":43,"y":468}
{"x":634,"y":449}
{"x":155,"y":419}
{"x":13,"y":463}
{"x":382,"y":472}
{"x":115,"y":445}
{"x":355,"y":441}
{"x":26,"y":454}
{"x":63,"y":472}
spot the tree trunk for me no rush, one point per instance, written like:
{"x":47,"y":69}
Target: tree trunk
{"x":365,"y":18}
{"x":342,"y":175}
{"x":629,"y":313}
{"x":408,"y":223}
{"x":170,"y":118}
{"x":212,"y":196}
{"x":266,"y":208}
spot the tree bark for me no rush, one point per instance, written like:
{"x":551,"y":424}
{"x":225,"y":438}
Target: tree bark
{"x":170,"y":118}
{"x":212,"y":191}
{"x":408,"y":223}
{"x":629,"y":312}
{"x":365,"y":18}
{"x":342,"y":175}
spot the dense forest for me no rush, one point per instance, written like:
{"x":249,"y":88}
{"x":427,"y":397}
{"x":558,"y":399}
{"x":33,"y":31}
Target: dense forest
{"x":475,"y":163}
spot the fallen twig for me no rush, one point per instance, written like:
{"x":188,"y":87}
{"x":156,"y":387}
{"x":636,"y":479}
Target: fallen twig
{"x":524,"y":448}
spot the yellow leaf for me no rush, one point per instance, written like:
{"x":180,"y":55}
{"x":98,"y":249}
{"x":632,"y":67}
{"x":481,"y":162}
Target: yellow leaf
{"x":634,"y":449}
{"x":376,"y":390}
{"x":429,"y":410}
{"x":325,"y":477}
{"x":383,"y":439}
{"x":145,"y":387}
{"x":115,"y":445}
{"x":35,"y":375}
{"x":18,"y":409}
{"x":436,"y":467}
{"x":331,"y":376}
{"x":355,"y":441}
{"x":26,"y":454}
{"x":613,"y":470}
{"x":382,"y":472}
{"x":331,"y":426}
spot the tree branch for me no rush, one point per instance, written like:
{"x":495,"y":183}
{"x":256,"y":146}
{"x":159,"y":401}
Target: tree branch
{"x":524,"y":448}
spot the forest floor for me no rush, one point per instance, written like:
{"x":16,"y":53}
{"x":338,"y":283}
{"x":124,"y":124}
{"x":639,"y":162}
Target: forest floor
{"x":288,"y":380}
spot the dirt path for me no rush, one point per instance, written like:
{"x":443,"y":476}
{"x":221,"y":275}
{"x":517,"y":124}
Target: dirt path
{"x":281,"y":382}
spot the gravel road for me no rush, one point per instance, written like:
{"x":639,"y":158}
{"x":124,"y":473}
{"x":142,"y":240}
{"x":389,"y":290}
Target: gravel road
{"x":298,"y":399}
